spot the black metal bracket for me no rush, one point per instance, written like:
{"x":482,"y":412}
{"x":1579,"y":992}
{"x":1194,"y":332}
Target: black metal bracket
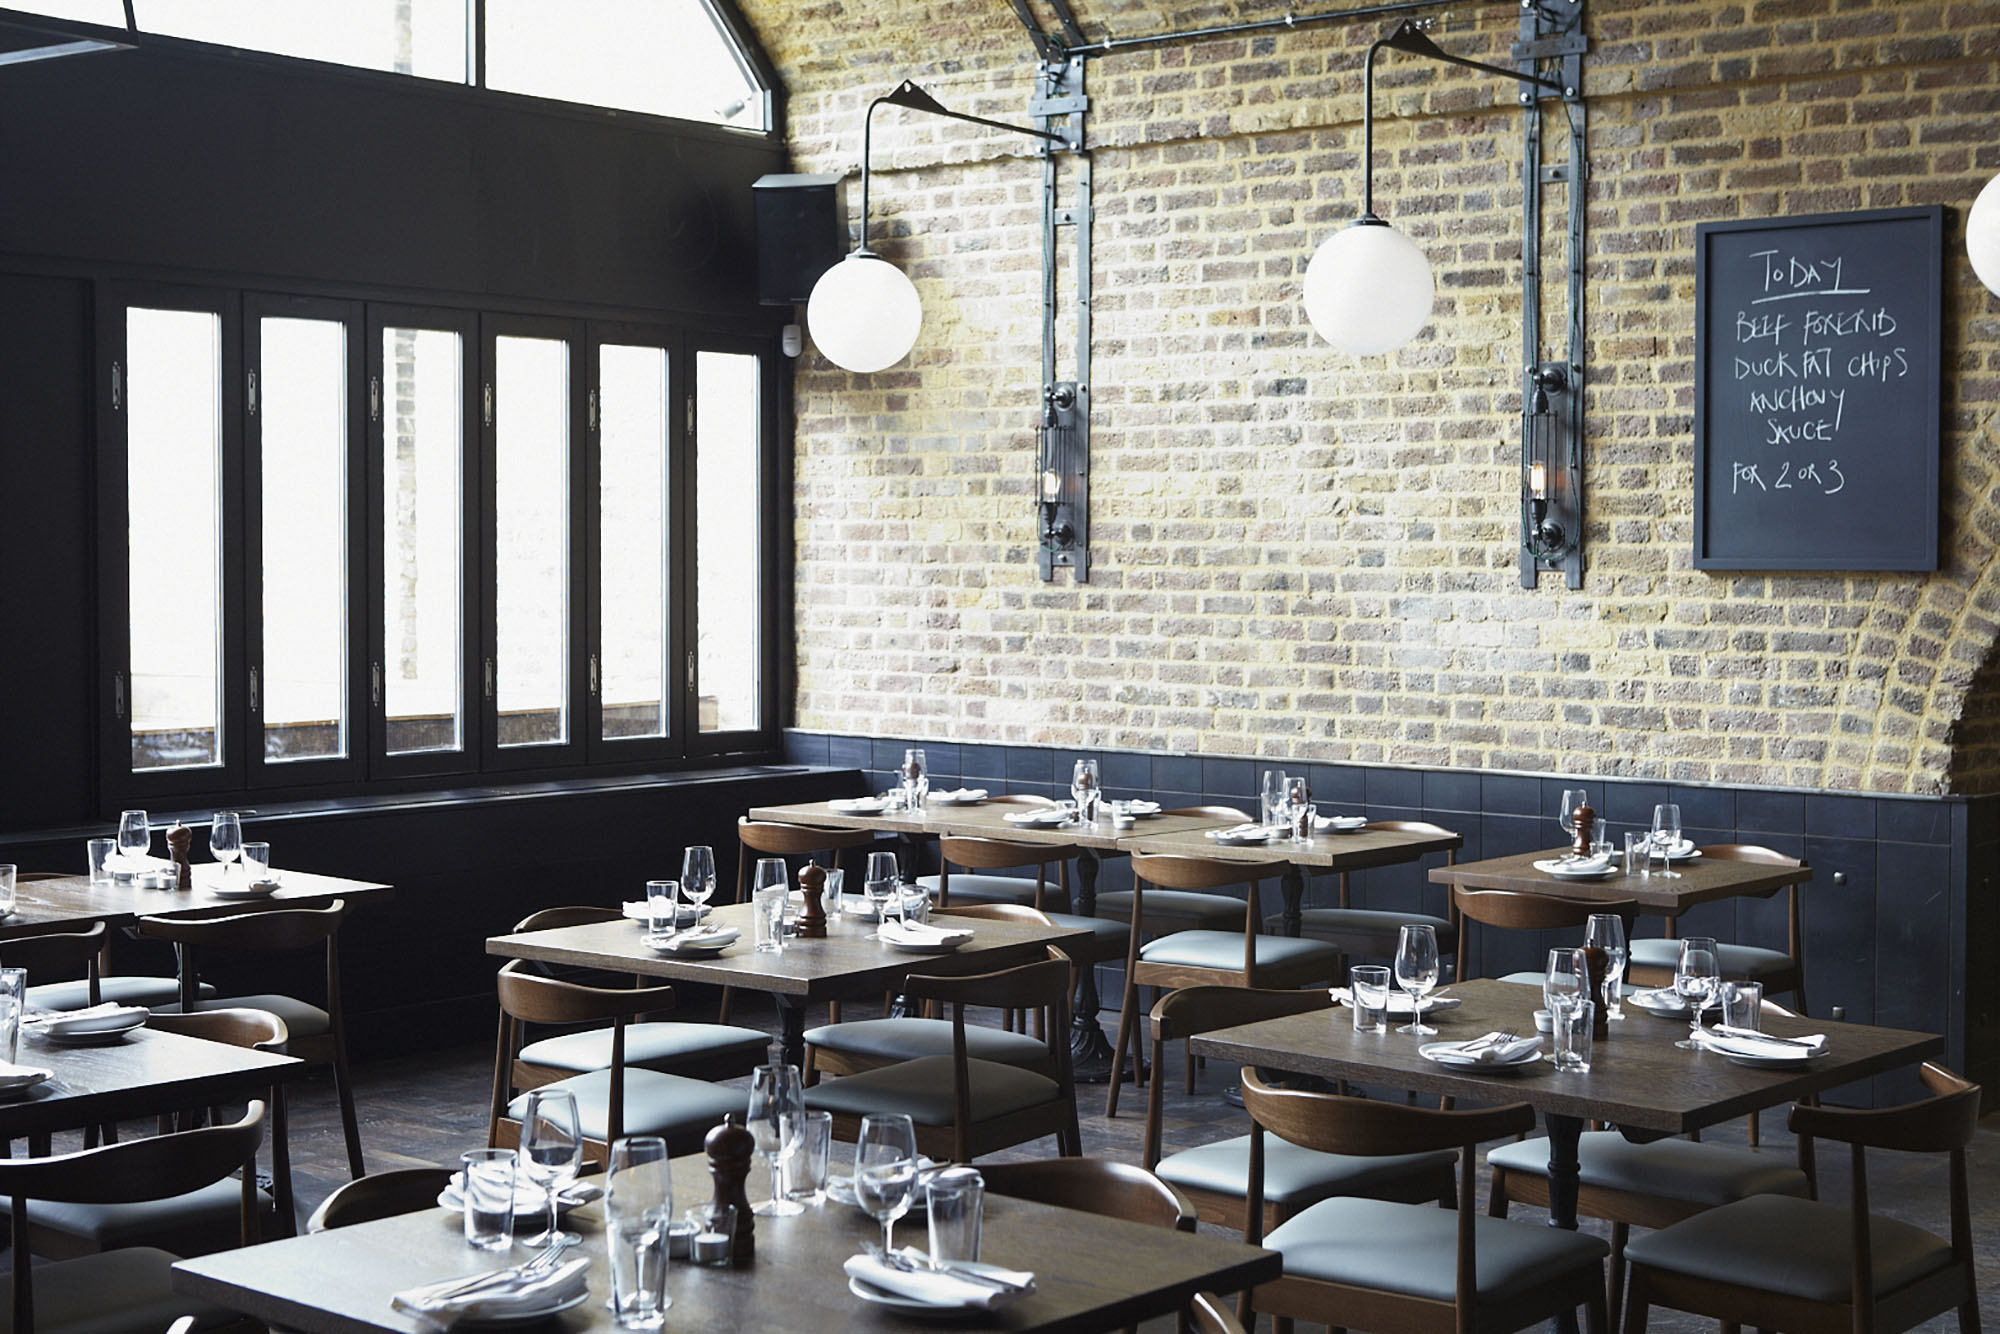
{"x":1062,"y":474}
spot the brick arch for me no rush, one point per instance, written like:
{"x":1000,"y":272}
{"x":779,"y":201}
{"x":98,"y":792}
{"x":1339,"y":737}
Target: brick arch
{"x":1955,"y":628}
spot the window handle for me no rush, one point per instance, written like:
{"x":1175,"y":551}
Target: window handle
{"x":117,"y":387}
{"x":250,"y":392}
{"x":118,"y":694}
{"x":489,"y":678}
{"x":691,"y":686}
{"x":253,"y":690}
{"x":593,"y":673}
{"x":375,"y":671}
{"x":489,"y":403}
{"x":375,"y":411}
{"x":593,"y":410}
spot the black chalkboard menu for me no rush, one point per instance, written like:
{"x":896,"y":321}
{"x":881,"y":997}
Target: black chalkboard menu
{"x":1817,"y":374}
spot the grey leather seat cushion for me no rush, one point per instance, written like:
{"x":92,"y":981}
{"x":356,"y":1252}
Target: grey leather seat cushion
{"x":1747,"y":963}
{"x":683,"y":1110}
{"x":1672,"y":1169}
{"x":909,"y":1039}
{"x":1224,"y":949}
{"x":215,"y":1209}
{"x":122,"y":1292}
{"x":1295,"y":1176}
{"x":967,"y":887}
{"x":301,"y":1020}
{"x":1412,"y":1249}
{"x":1206,"y":910}
{"x":1108,"y":936}
{"x":1790,"y":1246}
{"x":654,"y":1045}
{"x":137,"y":989}
{"x":922,"y":1089}
{"x":1375,"y":926}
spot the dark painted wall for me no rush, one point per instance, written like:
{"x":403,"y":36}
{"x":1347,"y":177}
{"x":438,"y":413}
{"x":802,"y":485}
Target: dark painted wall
{"x":1885,"y":917}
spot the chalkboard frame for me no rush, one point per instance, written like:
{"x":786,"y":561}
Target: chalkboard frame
{"x":1919,"y":550}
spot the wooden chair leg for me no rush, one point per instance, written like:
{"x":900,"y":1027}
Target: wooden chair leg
{"x":1496,"y":1199}
{"x":1190,"y":1074}
{"x":1636,"y":1299}
{"x":1125,"y":1035}
{"x":722,"y":1007}
{"x":1620,"y":1233}
{"x":1594,"y":1314}
{"x":1753,"y":1130}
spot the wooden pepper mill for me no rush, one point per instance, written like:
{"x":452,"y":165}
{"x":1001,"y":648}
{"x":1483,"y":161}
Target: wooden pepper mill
{"x":1586,"y":829}
{"x":730,"y":1148}
{"x":179,"y":839}
{"x":812,"y":922}
{"x":1598,"y":963}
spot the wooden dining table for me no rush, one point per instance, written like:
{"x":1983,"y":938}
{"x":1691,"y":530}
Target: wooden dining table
{"x":1638,"y":1080}
{"x":1696,"y":881}
{"x":846,"y":963}
{"x":341,"y":1281}
{"x":74,"y":900}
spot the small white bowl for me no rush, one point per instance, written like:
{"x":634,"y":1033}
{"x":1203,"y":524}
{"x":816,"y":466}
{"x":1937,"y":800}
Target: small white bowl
{"x":1544,"y":1023}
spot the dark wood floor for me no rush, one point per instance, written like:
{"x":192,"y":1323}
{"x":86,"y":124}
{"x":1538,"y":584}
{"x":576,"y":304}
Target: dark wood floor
{"x":426,"y":1110}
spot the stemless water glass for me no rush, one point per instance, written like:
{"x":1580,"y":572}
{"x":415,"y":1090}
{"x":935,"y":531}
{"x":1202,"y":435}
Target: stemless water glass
{"x":769,"y":889}
{"x":551,"y":1150}
{"x":1696,"y":980}
{"x":487,"y":1187}
{"x":135,"y":838}
{"x":225,"y":838}
{"x":1083,"y":786}
{"x":1273,"y":795}
{"x":880,"y":886}
{"x":777,"y":1119}
{"x":638,"y":1211}
{"x":885,"y":1171}
{"x":916,"y":779}
{"x":662,"y":907}
{"x":1417,"y":973}
{"x":7,"y":900}
{"x":1666,"y":837}
{"x":1606,"y":931}
{"x":698,"y":876}
{"x":1565,"y":980}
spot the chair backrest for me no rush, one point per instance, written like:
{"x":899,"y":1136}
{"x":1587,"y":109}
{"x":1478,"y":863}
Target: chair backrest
{"x":1749,"y":852}
{"x":1207,"y":1315}
{"x":1096,"y":1186}
{"x":999,"y":854}
{"x":1019,"y":913}
{"x":1229,"y":813}
{"x":794,"y":840}
{"x":1020,"y":799}
{"x":380,"y":1195}
{"x":1191,"y":1010}
{"x":259,"y":1030}
{"x":273,"y":928}
{"x":59,"y":952}
{"x":550,"y":919}
{"x":1521,"y":911}
{"x":22,"y":877}
{"x":531,"y":998}
{"x":1172,"y":871}
{"x":155,"y":1168}
{"x":1042,"y":987}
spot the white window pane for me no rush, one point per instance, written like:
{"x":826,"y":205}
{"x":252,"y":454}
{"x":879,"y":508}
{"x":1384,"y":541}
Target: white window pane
{"x":664,"y":57}
{"x":173,"y":433}
{"x":531,"y":556}
{"x":727,"y":541}
{"x":422,"y":37}
{"x":302,"y":416}
{"x":423,"y":630}
{"x":632,"y":559}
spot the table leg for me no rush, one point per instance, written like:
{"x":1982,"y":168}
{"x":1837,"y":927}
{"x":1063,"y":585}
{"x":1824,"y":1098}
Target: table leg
{"x":1565,"y":1132}
{"x":1293,"y":883}
{"x":1089,"y":1049}
{"x":792,"y":1030}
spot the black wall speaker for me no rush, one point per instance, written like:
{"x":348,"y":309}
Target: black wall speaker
{"x":801,"y":233}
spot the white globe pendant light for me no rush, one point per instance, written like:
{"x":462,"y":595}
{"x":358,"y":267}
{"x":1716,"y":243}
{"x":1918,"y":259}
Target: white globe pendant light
{"x":1982,"y":235}
{"x":1368,"y":289}
{"x":864,"y":314}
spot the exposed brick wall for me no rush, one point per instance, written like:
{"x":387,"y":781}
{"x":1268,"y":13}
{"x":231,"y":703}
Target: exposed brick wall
{"x":1301,"y":555}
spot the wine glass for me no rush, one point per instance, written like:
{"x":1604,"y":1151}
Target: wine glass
{"x":551,"y":1151}
{"x":880,"y":884}
{"x":885,"y":1171}
{"x":1084,"y":788}
{"x":1274,"y":795}
{"x":1606,"y":931}
{"x":1697,"y":978}
{"x":777,"y":1119}
{"x":697,"y":878}
{"x":1572,"y":798}
{"x":135,"y":837}
{"x":1417,"y":973}
{"x":225,"y":838}
{"x":1566,"y":980}
{"x":1666,"y":837}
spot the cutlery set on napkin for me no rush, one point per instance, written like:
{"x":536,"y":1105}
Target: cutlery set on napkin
{"x":920,"y":935}
{"x":1500,"y":1048}
{"x":909,"y":1274}
{"x":1730,"y":1041}
{"x":543,"y":1285}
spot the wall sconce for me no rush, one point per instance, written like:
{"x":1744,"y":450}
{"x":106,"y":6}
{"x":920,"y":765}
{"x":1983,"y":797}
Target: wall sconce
{"x":1551,"y":469}
{"x":864,"y":312}
{"x":1982,"y":235}
{"x":1064,"y":502}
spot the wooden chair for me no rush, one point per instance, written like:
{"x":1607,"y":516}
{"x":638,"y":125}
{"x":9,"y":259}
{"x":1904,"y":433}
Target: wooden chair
{"x":1651,"y":962}
{"x":1206,"y":958}
{"x":131,"y":1289}
{"x":1207,"y":1315}
{"x":198,"y":1221}
{"x":1215,"y":1176}
{"x":1173,"y":909}
{"x":768,"y":838}
{"x":314,"y":1035}
{"x":850,"y":1047}
{"x":1372,"y":933}
{"x":1518,"y":910}
{"x":1779,"y":1262}
{"x":999,"y":854}
{"x":964,"y":1107}
{"x":613,"y":1101}
{"x":1375,"y":1264}
{"x":1108,"y":937}
{"x":380,"y":1195}
{"x":1649,"y":1185}
{"x":61,"y":952}
{"x":698,"y":1050}
{"x":1096,"y":1186}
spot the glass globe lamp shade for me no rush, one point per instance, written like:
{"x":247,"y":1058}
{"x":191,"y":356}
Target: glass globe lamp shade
{"x":1368,"y":289}
{"x":1982,"y":235}
{"x":864,"y":314}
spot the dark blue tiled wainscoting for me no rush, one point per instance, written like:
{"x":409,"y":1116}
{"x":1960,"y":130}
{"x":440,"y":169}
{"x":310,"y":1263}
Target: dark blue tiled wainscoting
{"x":1903,"y":893}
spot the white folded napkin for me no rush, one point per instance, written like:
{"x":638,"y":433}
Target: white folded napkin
{"x":695,"y":938}
{"x":935,"y":1287}
{"x":898,"y":932}
{"x":1399,"y":1001}
{"x":1242,"y":831}
{"x":1340,"y":822}
{"x":529,"y":1198}
{"x":1040,"y":815}
{"x":960,"y":794}
{"x":1571,"y":864}
{"x":1680,"y":849}
{"x":96,"y":1018}
{"x":1489,"y":1050}
{"x":16,"y":1077}
{"x":1738,"y":1043}
{"x":639,"y":911}
{"x":509,"y":1293}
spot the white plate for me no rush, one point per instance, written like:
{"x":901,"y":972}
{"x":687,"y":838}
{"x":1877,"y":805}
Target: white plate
{"x":1666,"y":1005}
{"x":919,"y":946}
{"x":21,"y":1080}
{"x":1442,"y":1054}
{"x":525,"y":1314}
{"x":1138,"y":810}
{"x":1772,"y":1062}
{"x":840,"y":1189}
{"x":971,"y":797}
{"x":1343,"y":824}
{"x":262,"y":890}
{"x":529,"y":1201}
{"x":91,"y":1037}
{"x":867,"y":1292}
{"x":1049,"y":819}
{"x":692,"y":948}
{"x":859,"y":805}
{"x":1255,"y":840}
{"x":1561,"y":871}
